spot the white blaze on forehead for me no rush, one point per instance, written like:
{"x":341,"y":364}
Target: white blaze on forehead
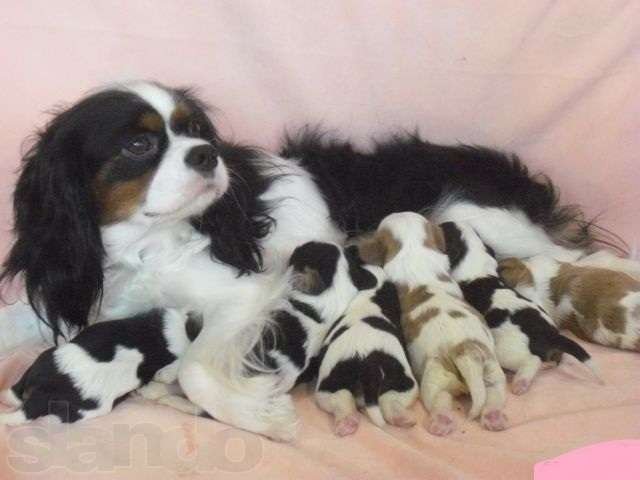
{"x":159,"y":98}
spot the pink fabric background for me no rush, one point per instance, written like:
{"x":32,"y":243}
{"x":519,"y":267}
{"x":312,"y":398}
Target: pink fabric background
{"x":557,"y":82}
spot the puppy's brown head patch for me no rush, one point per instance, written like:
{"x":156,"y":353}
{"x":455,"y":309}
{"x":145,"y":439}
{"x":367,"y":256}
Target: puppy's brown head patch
{"x":515,"y":273}
{"x":380,"y":248}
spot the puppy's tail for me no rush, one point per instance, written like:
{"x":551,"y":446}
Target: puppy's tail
{"x":470,"y":363}
{"x":371,"y":383}
{"x":565,"y":347}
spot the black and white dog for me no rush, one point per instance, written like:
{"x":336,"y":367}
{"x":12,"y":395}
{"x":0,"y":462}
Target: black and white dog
{"x":363,"y":359}
{"x":129,"y":200}
{"x":100,"y":367}
{"x":524,"y":334}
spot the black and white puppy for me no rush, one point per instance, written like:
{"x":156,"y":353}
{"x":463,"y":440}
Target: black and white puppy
{"x":524,"y":334}
{"x":325,"y":278}
{"x":95,"y":371}
{"x":363,"y":359}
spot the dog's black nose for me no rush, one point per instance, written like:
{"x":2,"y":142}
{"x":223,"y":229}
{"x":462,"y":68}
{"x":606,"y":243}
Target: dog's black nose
{"x":202,"y":159}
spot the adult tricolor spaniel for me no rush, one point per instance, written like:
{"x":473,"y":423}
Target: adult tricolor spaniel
{"x":129,"y":201}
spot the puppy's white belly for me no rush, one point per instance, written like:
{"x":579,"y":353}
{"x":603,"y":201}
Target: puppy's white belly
{"x":512,"y":346}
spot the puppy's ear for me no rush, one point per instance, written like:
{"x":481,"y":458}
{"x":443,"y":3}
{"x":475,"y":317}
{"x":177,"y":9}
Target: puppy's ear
{"x":372,"y":250}
{"x":514,"y":272}
{"x":362,"y":278}
{"x":308,"y":281}
{"x":435,"y":237}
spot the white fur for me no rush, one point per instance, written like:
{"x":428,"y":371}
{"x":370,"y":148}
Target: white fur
{"x":509,"y":232}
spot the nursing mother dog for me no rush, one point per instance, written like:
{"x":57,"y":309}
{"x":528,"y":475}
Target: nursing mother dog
{"x":130,"y":200}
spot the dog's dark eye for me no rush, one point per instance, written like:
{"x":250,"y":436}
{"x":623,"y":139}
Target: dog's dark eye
{"x":141,"y":146}
{"x":193,"y":128}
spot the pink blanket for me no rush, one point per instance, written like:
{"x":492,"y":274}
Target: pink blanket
{"x":557,"y":82}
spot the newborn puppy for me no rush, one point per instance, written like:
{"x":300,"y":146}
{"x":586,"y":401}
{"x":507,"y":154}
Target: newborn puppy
{"x":88,"y":376}
{"x":596,"y":304}
{"x":523,"y":332}
{"x":450,"y":347}
{"x":324,"y":278}
{"x":363,"y":359}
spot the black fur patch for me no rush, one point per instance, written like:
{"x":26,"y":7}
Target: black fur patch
{"x":238,"y":221}
{"x":456,"y":247}
{"x":382,"y":324}
{"x":318,"y":256}
{"x":361,"y":278}
{"x":334,"y":335}
{"x":306,"y":309}
{"x":45,"y":390}
{"x":193,"y":325}
{"x":386,"y":297}
{"x":374,"y":375}
{"x":479,"y":292}
{"x":287,"y":337}
{"x":415,"y":174}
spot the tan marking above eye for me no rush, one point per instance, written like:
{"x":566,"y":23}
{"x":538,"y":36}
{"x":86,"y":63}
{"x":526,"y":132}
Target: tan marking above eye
{"x":180,"y":115}
{"x":151,"y":121}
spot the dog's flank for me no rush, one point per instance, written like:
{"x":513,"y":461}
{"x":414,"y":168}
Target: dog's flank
{"x":524,"y":334}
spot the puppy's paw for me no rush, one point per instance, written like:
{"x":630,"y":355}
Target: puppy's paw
{"x":346,"y":425}
{"x":441,"y":424}
{"x":13,"y":418}
{"x":8,"y":397}
{"x":494,"y":420}
{"x":403,"y":419}
{"x":520,"y":386}
{"x":281,"y":420}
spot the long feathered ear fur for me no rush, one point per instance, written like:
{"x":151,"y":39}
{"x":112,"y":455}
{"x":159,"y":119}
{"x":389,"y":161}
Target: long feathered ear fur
{"x":58,"y":249}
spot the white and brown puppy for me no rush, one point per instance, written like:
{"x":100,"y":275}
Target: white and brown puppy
{"x":450,"y":347}
{"x":88,"y":376}
{"x":363,"y":360}
{"x":596,"y":304}
{"x":524,"y":334}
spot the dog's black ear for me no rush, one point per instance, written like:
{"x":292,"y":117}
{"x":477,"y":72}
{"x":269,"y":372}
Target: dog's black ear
{"x":58,"y":249}
{"x":362,"y":278}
